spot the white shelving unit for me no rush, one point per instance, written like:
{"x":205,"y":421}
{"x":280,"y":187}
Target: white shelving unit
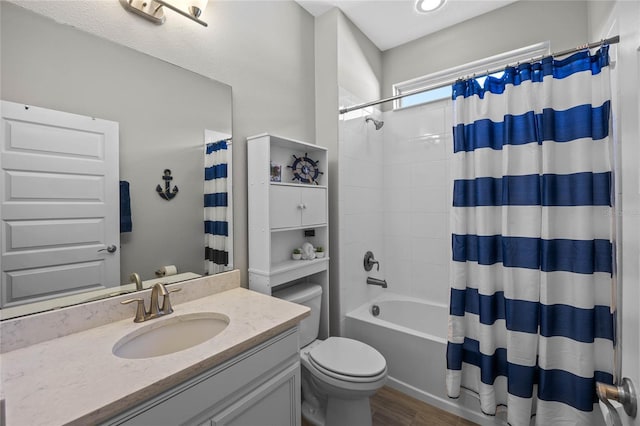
{"x":279,"y":215}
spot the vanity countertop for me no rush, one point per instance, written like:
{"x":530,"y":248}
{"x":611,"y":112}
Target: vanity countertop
{"x":76,"y":379}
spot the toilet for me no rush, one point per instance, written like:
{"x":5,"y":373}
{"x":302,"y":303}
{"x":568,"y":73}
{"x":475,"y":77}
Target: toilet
{"x":338,"y":374}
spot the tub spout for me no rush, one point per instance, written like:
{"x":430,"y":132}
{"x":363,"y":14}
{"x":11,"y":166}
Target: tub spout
{"x":376,"y":281}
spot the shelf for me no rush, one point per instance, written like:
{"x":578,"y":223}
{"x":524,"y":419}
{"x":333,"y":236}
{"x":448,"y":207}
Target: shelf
{"x":279,"y":141}
{"x":299,"y":228}
{"x":280,"y":211}
{"x":305,"y":185}
{"x":291,"y":265}
{"x":284,"y":272}
{"x":291,"y":270}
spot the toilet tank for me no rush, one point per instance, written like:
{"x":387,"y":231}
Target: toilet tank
{"x":307,"y":294}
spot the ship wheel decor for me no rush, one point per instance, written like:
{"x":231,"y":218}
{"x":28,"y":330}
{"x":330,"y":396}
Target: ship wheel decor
{"x":305,"y":169}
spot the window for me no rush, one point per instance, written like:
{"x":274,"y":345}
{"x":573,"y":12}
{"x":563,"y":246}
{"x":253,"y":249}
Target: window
{"x":432,"y":95}
{"x":437,"y":86}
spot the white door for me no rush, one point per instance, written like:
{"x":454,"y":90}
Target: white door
{"x":626,"y":23}
{"x":59,"y":204}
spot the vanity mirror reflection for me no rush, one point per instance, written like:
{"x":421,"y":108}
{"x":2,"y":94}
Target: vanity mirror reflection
{"x":164,"y":116}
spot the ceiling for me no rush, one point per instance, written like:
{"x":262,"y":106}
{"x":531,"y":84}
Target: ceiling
{"x":390,"y":23}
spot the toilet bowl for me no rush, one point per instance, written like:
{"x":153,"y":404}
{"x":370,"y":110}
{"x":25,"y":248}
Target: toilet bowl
{"x":338,"y":374}
{"x":341,"y":375}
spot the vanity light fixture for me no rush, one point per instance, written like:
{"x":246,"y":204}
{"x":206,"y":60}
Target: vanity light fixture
{"x":153,"y":10}
{"x":426,"y":6}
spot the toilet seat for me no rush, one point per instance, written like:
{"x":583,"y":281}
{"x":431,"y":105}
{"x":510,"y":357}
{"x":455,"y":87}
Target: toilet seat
{"x":348,"y":360}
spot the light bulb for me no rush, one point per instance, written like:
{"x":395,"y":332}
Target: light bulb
{"x":426,"y":6}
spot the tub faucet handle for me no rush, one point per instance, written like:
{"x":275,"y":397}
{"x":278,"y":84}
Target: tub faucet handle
{"x":369,"y":261}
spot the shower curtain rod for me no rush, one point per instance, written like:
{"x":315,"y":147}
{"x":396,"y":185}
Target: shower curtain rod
{"x":612,"y":40}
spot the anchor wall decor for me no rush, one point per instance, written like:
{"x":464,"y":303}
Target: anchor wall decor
{"x":167,"y":194}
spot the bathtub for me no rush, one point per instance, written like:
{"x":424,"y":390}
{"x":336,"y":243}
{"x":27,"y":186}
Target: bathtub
{"x":412,"y":335}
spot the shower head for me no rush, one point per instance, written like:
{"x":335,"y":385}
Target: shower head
{"x":376,"y":123}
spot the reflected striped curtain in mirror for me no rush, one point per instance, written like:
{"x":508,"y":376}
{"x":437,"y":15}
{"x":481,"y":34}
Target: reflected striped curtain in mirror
{"x":216,"y":223}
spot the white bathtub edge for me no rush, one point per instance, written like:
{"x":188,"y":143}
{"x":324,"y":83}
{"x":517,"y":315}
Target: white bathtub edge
{"x":385,"y":336}
{"x":363,"y":313}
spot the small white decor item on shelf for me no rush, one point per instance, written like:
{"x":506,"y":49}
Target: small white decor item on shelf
{"x":296,"y":254}
{"x":308,"y":252}
{"x":319,"y":252}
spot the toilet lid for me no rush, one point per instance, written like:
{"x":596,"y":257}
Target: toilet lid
{"x":348,"y":357}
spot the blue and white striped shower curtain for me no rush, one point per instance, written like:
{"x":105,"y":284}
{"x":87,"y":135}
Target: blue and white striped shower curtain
{"x":531,"y":324}
{"x":216,"y":221}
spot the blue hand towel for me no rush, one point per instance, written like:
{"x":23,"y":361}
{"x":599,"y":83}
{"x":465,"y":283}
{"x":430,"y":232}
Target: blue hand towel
{"x":126,"y":224}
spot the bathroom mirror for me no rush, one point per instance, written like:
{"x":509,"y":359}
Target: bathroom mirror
{"x":165,"y":115}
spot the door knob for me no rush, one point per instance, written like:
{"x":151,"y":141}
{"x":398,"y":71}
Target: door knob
{"x":625,"y":394}
{"x":111,"y":249}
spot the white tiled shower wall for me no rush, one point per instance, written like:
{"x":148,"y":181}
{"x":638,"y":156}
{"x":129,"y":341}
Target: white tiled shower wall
{"x":360,"y":202}
{"x":417,"y":196}
{"x":394,"y":198}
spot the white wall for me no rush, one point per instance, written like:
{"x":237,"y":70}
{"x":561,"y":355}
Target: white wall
{"x":623,"y":18}
{"x":263,"y":49}
{"x":361,"y":205}
{"x":418,"y":148}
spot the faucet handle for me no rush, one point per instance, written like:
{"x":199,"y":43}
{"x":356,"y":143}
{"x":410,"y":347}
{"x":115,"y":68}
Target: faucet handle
{"x":369,"y":261}
{"x":140,"y":309}
{"x":166,"y":302}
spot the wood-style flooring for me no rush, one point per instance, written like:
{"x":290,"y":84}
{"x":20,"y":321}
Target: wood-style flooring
{"x":390,"y":407}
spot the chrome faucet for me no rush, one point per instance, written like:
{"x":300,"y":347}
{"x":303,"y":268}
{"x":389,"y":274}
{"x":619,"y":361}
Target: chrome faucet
{"x":376,"y":281}
{"x":155,"y":310}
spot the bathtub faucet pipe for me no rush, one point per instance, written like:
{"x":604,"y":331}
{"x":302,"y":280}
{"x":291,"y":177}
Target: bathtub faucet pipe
{"x":376,"y":281}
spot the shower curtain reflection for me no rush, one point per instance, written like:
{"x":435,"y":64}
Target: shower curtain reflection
{"x":216,"y":207}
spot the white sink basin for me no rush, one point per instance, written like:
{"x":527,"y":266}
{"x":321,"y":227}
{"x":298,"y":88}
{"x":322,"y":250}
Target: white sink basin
{"x":175,"y":333}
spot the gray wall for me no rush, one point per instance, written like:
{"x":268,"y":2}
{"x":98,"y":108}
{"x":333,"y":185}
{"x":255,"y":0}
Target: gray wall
{"x":519,"y":24}
{"x":345,"y":58}
{"x":359,"y":61}
{"x":326,"y":63}
{"x":162,"y":111}
{"x":263,"y":49}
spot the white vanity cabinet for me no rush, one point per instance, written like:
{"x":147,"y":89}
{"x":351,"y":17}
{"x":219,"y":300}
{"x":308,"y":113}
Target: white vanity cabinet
{"x":258,"y":387}
{"x":284,"y":213}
